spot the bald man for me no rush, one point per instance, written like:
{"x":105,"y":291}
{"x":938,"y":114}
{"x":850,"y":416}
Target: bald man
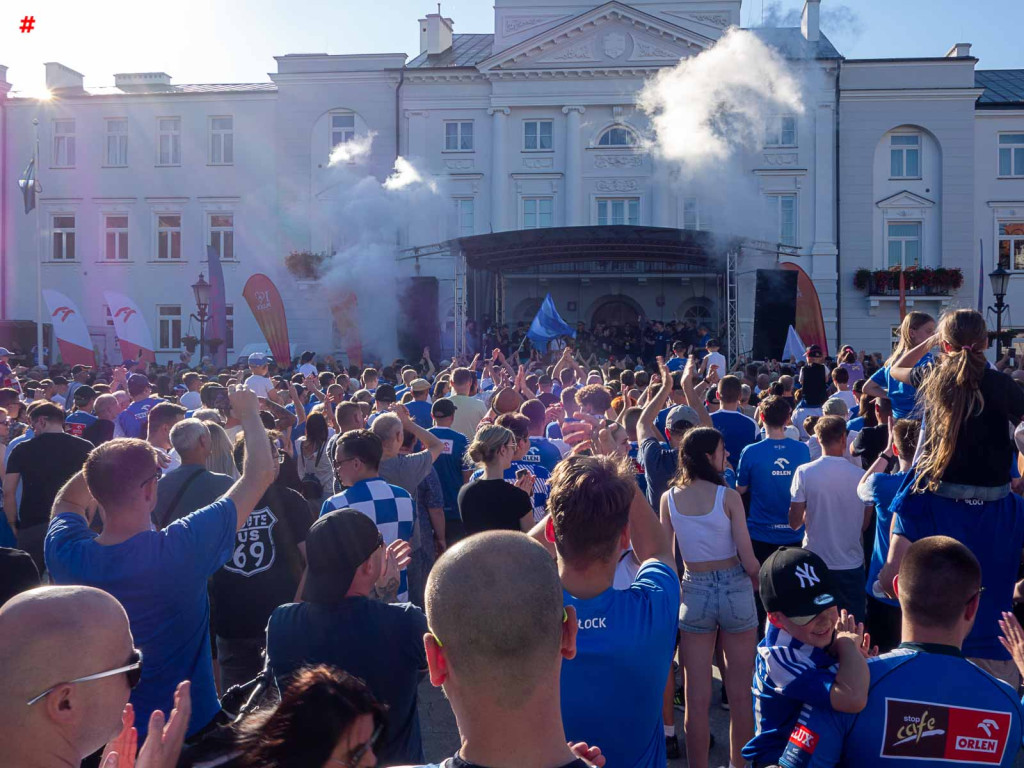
{"x":39,"y":629}
{"x":494,"y":606}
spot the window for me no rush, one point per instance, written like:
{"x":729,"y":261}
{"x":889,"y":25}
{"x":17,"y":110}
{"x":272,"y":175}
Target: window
{"x":1011,"y":244}
{"x":168,"y":237}
{"x":618,"y":136}
{"x":222,"y":140}
{"x":538,"y":212}
{"x":115,"y":230}
{"x":537,"y":135}
{"x":343,"y":128}
{"x":63,"y":143}
{"x":170,"y":327}
{"x":458,"y":136}
{"x":905,"y":156}
{"x":903,"y":240}
{"x":63,"y":238}
{"x":169,"y":141}
{"x":117,"y":142}
{"x":783,"y":209}
{"x":618,"y":210}
{"x":222,"y":234}
{"x":1011,"y":154}
{"x":691,"y":214}
{"x":780,"y":131}
{"x":229,"y":327}
{"x":464,"y":216}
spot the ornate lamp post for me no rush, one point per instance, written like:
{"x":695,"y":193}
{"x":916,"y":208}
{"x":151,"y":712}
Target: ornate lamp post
{"x":1000,"y":281}
{"x":201,"y":289}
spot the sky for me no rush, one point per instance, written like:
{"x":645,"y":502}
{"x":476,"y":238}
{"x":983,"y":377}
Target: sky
{"x":218,"y":41}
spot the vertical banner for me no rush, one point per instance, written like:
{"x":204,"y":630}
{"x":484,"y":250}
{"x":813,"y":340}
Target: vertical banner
{"x":130,"y":326}
{"x":70,"y":329}
{"x":809,"y":322}
{"x":345,"y":309}
{"x":265,"y":302}
{"x":217,"y":324}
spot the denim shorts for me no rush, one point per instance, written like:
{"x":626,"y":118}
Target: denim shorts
{"x":717,"y":599}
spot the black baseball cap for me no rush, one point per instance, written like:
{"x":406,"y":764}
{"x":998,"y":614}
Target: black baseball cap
{"x":385,"y":393}
{"x":796,"y":583}
{"x":443,"y":408}
{"x":336,"y":545}
{"x":84,"y":394}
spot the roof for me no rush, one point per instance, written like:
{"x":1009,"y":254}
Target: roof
{"x":792,"y":44}
{"x":466,"y":51}
{"x":1004,"y":88}
{"x":157,"y":89}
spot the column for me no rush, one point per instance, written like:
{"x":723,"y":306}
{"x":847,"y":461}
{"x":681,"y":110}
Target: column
{"x":661,"y":188}
{"x":499,"y":169}
{"x":573,"y":167}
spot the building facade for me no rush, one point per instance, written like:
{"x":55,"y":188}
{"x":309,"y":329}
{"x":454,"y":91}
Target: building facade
{"x":532,"y":126}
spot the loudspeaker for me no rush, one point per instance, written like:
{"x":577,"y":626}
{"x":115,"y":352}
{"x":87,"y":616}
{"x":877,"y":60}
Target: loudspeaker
{"x":418,"y":324}
{"x":774,"y":311}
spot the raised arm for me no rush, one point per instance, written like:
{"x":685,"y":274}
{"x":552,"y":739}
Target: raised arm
{"x":904,"y":364}
{"x":692,"y":400}
{"x":300,"y":409}
{"x":650,"y":540}
{"x":283,"y":419}
{"x":430,"y":441}
{"x":258,"y":469}
{"x":645,"y":427}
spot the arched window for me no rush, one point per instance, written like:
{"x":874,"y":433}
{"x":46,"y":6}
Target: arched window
{"x":618,"y":136}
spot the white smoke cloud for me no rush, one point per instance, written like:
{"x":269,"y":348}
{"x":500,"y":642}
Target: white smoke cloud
{"x":837,"y":20}
{"x":369,"y":222}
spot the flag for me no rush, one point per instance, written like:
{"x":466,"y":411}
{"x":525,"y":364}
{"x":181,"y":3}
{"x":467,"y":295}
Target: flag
{"x":267,"y":307}
{"x":70,"y":329}
{"x":795,"y":348}
{"x":345,"y":310}
{"x":130,"y":327}
{"x":810,"y":323}
{"x":548,"y":324}
{"x":218,"y":319}
{"x":903,"y":295}
{"x":30,"y":187}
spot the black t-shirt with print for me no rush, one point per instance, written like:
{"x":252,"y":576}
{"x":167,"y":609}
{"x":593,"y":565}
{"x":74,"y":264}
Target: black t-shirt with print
{"x":265,"y":567}
{"x":45,"y":463}
{"x":493,"y":505}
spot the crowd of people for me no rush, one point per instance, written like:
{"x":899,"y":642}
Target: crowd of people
{"x":258,"y":567}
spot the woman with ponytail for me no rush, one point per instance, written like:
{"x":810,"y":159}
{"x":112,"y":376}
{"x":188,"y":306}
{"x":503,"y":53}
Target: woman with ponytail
{"x":490,"y":503}
{"x":960,"y":484}
{"x":710,"y":528}
{"x":916,"y":328}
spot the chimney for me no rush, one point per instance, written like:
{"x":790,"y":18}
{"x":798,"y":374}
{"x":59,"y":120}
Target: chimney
{"x":959,"y":51}
{"x":810,"y":22}
{"x":59,"y":77}
{"x":142,"y":81}
{"x":435,"y":33}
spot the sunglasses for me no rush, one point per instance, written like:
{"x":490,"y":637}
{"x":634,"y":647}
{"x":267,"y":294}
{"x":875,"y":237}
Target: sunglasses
{"x":133,"y":670}
{"x":357,"y":756}
{"x":159,"y":473}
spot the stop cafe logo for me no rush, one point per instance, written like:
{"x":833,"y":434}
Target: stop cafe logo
{"x":926,"y":730}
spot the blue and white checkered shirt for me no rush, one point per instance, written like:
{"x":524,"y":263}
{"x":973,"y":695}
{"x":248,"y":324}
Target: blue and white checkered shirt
{"x":389,"y":506}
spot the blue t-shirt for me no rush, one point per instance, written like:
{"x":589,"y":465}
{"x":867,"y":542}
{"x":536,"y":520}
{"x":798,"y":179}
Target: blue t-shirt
{"x":993,"y":531}
{"x":542,"y":452}
{"x":880,"y":490}
{"x":449,"y":466}
{"x":76,"y":422}
{"x":676,"y":364}
{"x":132,"y":419}
{"x":767,"y":469}
{"x":787,"y":674}
{"x":420,"y":412}
{"x":927,"y":706}
{"x":738,"y":431}
{"x":902,"y":395}
{"x":638,"y":467}
{"x":855,"y":424}
{"x":661,"y":420}
{"x":160,"y":577}
{"x":612,"y":690}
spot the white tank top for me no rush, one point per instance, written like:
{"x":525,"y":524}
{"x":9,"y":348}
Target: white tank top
{"x":703,"y":538}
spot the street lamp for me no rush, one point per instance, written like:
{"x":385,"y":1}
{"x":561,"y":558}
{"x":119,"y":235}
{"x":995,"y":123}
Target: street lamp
{"x":1000,"y":279}
{"x":201,"y":289}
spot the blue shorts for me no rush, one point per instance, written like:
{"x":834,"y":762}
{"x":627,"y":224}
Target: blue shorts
{"x":713,"y":600}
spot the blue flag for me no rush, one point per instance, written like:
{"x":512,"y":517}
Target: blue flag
{"x":548,"y":324}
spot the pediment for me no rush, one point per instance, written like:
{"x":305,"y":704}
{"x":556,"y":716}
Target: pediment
{"x":905,"y":199}
{"x":612,"y":36}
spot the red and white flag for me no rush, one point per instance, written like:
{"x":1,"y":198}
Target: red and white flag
{"x":69,"y":328}
{"x":130,"y":326}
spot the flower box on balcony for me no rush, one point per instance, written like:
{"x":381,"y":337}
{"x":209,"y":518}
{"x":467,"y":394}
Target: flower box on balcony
{"x":917,"y":281}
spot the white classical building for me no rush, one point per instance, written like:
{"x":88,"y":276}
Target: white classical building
{"x":535,"y":132}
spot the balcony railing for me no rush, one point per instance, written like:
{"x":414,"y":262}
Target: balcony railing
{"x":917,"y":281}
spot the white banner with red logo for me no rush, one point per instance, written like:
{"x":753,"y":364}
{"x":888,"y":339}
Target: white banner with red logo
{"x":69,"y":328}
{"x":130,"y":326}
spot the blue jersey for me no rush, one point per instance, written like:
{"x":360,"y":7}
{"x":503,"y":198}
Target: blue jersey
{"x":420,"y":412}
{"x":76,"y":422}
{"x":767,"y":469}
{"x":676,"y":364}
{"x":612,"y":689}
{"x":927,"y":707}
{"x":449,"y":466}
{"x":738,"y":431}
{"x":787,"y":674}
{"x":903,"y":396}
{"x":880,"y":490}
{"x":993,"y":531}
{"x":638,"y":468}
{"x":542,"y":452}
{"x":132,"y":419}
{"x":855,"y":424}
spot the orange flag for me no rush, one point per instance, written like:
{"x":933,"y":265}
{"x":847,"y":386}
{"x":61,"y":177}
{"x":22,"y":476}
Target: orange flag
{"x":267,"y":307}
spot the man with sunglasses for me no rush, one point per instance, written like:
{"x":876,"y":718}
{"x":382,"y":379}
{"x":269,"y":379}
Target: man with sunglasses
{"x":159,"y":576}
{"x":58,"y":707}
